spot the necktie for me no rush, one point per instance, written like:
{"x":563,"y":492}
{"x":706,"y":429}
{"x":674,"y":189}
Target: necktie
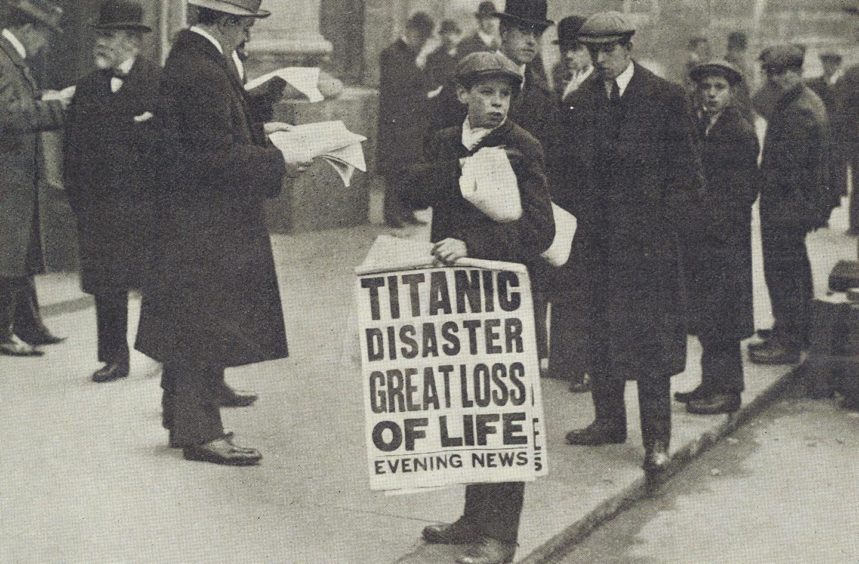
{"x":614,"y":97}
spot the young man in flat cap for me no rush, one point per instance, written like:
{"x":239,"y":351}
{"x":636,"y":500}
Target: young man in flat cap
{"x":108,"y":169}
{"x":26,"y":112}
{"x":486,"y":85}
{"x":211,"y":297}
{"x":718,"y":268}
{"x":633,"y":179}
{"x":796,"y":198}
{"x":485,"y":38}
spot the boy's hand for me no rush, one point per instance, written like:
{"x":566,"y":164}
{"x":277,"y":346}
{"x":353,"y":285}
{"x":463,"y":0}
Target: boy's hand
{"x":448,"y":251}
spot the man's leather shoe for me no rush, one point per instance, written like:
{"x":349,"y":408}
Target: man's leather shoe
{"x":13,"y":347}
{"x":656,"y":458}
{"x":595,"y":434}
{"x":698,"y":393}
{"x":776,"y":354}
{"x":110,"y":372}
{"x":580,"y":384}
{"x":236,"y":398}
{"x":715,"y":404}
{"x":223,"y":451}
{"x":41,"y":338}
{"x":488,"y":551}
{"x":458,"y":532}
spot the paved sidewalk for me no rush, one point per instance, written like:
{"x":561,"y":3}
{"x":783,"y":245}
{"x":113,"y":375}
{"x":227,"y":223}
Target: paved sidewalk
{"x":87,"y":476}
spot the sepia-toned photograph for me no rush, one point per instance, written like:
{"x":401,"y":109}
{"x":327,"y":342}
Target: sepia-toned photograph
{"x":429,"y":281}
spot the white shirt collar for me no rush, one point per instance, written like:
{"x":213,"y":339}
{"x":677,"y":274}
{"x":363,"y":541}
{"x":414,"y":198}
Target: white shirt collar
{"x":126,"y":65}
{"x":471,"y":138}
{"x":240,"y":66}
{"x":10,"y":37}
{"x":207,"y":35}
{"x":623,"y":79}
{"x":576,"y":81}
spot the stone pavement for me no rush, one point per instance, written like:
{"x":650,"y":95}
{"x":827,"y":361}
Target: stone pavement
{"x":86,"y":476}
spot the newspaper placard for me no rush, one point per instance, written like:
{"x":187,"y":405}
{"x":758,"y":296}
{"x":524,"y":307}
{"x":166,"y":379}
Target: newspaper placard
{"x":450,"y":377}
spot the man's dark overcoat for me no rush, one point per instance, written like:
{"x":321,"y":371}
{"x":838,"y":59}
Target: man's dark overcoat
{"x":109,"y":171}
{"x":796,"y":165}
{"x":634,"y":195}
{"x":719,"y":267}
{"x":403,"y":116}
{"x":22,"y":117}
{"x":211,"y":295}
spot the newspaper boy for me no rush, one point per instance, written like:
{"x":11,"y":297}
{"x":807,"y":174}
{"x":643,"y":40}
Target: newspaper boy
{"x":486,"y":84}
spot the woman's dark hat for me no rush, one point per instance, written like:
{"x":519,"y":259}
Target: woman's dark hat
{"x":568,"y":31}
{"x":717,"y":67}
{"x":121,"y":14}
{"x":243,"y":8}
{"x":528,"y":12}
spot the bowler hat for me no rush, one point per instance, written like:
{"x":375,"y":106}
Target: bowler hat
{"x":568,"y":30}
{"x":421,"y":22}
{"x":44,"y":11}
{"x":485,"y":64}
{"x":449,"y":26}
{"x":121,"y":14}
{"x":606,"y":27}
{"x":718,"y":67}
{"x":528,"y":12}
{"x":486,"y":9}
{"x":782,"y":57}
{"x":244,"y":8}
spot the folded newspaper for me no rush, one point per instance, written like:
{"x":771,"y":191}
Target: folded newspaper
{"x":303,"y":79}
{"x":330,"y":140}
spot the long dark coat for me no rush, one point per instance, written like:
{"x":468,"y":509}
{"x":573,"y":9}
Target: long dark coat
{"x":719,"y":267}
{"x":109,"y":172}
{"x":436,"y":183}
{"x":403,"y":113}
{"x":212,"y":294}
{"x":634,"y":196}
{"x":22,"y":117}
{"x":796,"y":165}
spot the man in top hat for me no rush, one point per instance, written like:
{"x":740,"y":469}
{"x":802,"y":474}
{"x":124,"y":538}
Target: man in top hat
{"x":403,"y":89}
{"x":796,"y":198}
{"x":211,"y":297}
{"x":575,"y":65}
{"x":632,"y":179}
{"x":485,"y":38}
{"x":441,"y":63}
{"x":108,"y":168}
{"x":27,"y":111}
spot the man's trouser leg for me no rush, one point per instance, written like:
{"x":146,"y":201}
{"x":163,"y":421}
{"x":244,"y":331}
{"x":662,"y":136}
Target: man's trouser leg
{"x":111,"y":311}
{"x":721,"y":365}
{"x":494,"y":509}
{"x":10,"y":290}
{"x":787,"y":271}
{"x":196,"y":415}
{"x":654,"y":404}
{"x":608,"y":395}
{"x":568,"y":353}
{"x":28,"y":319}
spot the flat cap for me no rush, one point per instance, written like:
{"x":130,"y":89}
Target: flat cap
{"x":606,"y":27}
{"x":717,"y":67}
{"x":782,"y":57}
{"x":485,"y":64}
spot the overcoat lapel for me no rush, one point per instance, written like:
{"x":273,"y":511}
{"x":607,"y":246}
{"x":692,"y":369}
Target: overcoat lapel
{"x":22,"y":65}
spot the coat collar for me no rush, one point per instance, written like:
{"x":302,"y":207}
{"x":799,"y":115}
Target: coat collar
{"x":495,"y":137}
{"x":194,"y":41}
{"x":7,"y":47}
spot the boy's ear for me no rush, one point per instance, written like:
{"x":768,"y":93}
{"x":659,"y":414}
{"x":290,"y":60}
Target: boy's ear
{"x":461,"y":94}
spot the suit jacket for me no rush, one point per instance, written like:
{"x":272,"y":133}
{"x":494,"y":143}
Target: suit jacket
{"x":635,"y":193}
{"x":796,"y":165}
{"x":435,"y":182}
{"x":212,"y":294}
{"x":403,"y":116}
{"x":109,"y":171}
{"x":22,"y":116}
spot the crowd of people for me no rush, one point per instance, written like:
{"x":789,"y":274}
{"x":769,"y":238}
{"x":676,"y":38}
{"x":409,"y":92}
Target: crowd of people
{"x":167,"y":170}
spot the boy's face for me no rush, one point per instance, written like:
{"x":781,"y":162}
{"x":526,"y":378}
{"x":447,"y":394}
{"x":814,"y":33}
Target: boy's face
{"x":488,"y":102}
{"x":715,"y":93}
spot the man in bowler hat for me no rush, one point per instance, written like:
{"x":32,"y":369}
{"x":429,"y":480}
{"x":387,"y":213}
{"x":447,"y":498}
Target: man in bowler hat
{"x":575,"y":65}
{"x":211,"y":297}
{"x":485,"y":38}
{"x":109,"y":137}
{"x":27,"y":111}
{"x":633,"y":176}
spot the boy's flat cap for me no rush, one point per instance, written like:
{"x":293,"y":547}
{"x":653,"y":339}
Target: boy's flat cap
{"x":487,"y":64}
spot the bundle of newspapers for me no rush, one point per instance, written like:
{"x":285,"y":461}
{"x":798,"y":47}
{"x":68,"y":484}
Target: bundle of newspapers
{"x":329,"y":140}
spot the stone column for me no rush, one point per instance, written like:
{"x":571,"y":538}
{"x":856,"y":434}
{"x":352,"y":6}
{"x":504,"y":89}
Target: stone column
{"x":290,"y":36}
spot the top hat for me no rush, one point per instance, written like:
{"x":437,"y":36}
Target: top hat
{"x":606,"y":27}
{"x":717,"y":67}
{"x":528,"y":12}
{"x":44,"y":11}
{"x":782,"y":57}
{"x":486,"y":9}
{"x":568,"y":31}
{"x":243,"y":8}
{"x":121,"y":14}
{"x":484,"y":64}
